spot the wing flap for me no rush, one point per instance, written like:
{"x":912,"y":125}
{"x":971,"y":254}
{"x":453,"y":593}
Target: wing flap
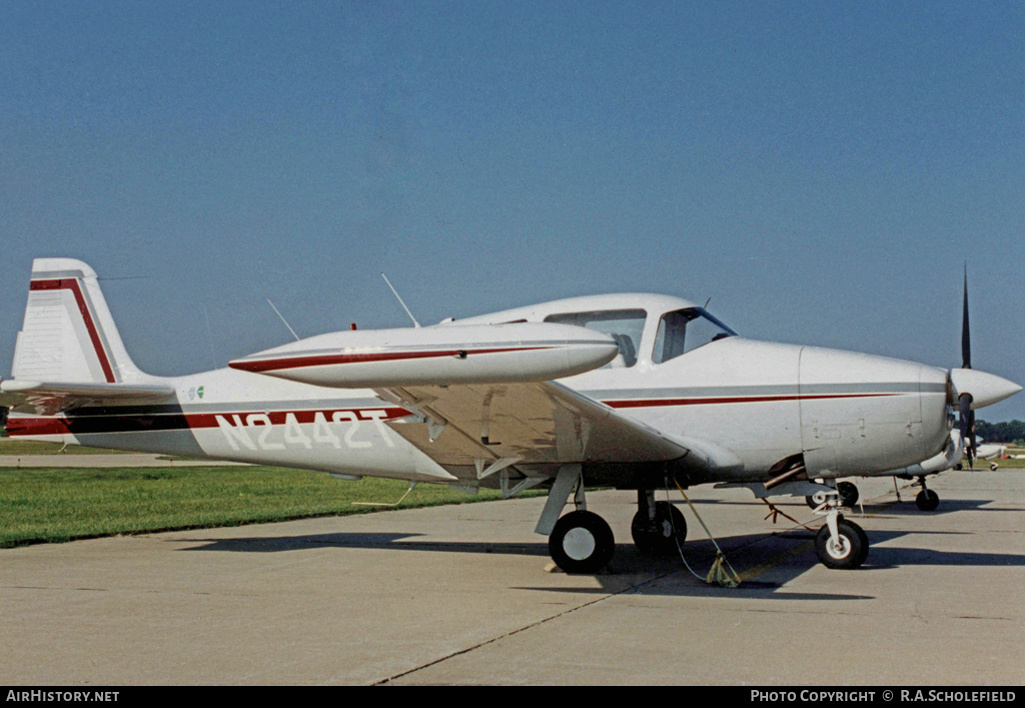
{"x":533,"y":423}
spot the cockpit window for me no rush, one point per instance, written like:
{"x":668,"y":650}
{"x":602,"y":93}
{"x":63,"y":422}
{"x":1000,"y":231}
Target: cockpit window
{"x":625,"y":326}
{"x":683,"y":330}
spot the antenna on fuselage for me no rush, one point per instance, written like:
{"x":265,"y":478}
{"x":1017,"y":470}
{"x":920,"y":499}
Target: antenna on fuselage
{"x":397,"y":297}
{"x":283,"y":319}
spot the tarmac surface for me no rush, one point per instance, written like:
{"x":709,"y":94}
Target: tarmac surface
{"x":467,"y":595}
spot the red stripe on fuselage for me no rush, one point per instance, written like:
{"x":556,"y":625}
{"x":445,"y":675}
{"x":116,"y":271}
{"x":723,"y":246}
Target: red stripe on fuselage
{"x":90,"y":325}
{"x":297,"y":362}
{"x":717,"y":400}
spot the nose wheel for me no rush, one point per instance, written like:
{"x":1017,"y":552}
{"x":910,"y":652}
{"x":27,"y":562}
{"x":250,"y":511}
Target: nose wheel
{"x":841,"y":544}
{"x":927,"y":500}
{"x":848,"y":492}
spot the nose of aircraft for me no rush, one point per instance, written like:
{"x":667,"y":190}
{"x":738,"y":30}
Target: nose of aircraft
{"x":984,"y":389}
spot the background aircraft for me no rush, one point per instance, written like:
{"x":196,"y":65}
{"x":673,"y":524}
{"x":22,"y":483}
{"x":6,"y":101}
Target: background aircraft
{"x":984,"y":451}
{"x":633,"y":391}
{"x":927,"y":499}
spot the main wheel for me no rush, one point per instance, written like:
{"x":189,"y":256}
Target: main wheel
{"x":849,"y":551}
{"x":581,"y":542}
{"x":663,"y":535}
{"x":848,"y":493}
{"x":927,"y":500}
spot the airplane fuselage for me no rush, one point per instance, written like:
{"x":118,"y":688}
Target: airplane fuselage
{"x":759,"y":402}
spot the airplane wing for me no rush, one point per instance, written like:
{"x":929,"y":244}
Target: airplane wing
{"x":51,"y":398}
{"x":485,"y":396}
{"x":539,"y":423}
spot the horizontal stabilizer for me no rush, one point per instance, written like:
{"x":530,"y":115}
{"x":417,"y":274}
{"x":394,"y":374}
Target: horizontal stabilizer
{"x":51,"y":398}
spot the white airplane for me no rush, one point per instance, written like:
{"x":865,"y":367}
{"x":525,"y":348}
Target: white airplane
{"x":987,"y":451}
{"x":983,"y":451}
{"x":628,"y":391}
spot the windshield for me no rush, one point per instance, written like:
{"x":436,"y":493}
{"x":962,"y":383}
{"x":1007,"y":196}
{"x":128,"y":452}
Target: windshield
{"x":625,"y":326}
{"x":683,"y":330}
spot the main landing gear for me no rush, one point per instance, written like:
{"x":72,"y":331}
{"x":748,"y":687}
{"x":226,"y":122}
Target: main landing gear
{"x":582,"y":542}
{"x":658,"y":528}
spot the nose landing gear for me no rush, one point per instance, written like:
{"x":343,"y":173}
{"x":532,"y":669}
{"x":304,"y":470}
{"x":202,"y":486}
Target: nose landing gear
{"x":927,"y":500}
{"x":848,"y":492}
{"x":841,"y":544}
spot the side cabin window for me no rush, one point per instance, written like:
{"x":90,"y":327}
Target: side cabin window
{"x":625,"y":326}
{"x":683,"y":330}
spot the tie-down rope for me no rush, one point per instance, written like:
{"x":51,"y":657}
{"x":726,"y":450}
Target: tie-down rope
{"x":721,"y":573}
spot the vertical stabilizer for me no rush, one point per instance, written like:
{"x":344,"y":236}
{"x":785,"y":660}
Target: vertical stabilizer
{"x":69,"y":334}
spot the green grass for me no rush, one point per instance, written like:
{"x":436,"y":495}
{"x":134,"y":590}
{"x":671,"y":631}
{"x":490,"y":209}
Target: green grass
{"x":48,"y":505}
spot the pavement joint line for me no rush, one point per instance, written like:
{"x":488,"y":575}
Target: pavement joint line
{"x":520,"y":630}
{"x":748,"y":574}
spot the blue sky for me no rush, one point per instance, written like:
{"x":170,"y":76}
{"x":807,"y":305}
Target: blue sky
{"x":822,"y":171}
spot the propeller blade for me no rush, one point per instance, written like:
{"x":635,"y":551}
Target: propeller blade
{"x":973,"y":450}
{"x":966,"y":337}
{"x":966,"y":423}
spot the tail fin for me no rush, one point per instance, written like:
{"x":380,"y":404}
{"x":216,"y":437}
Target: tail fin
{"x":69,"y":334}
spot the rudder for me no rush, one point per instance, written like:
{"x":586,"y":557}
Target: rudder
{"x":68,"y":333}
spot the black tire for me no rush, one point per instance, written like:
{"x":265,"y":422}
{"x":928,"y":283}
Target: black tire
{"x":850,"y":553}
{"x":662,"y":537}
{"x":927,"y":500}
{"x":816,"y":500}
{"x":848,"y":493}
{"x":581,"y":542}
